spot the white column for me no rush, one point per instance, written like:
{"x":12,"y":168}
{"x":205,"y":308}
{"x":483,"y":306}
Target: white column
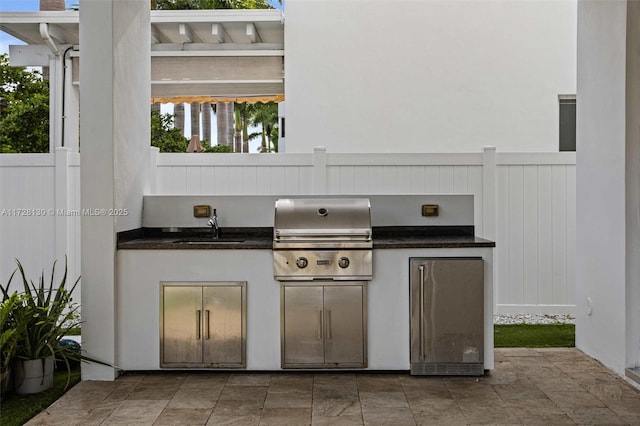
{"x":600,"y":175}
{"x":114,"y":130}
{"x":62,"y":235}
{"x":633,"y":187}
{"x":489,"y":191}
{"x":71,"y":123}
{"x":55,"y":102}
{"x":489,"y":210}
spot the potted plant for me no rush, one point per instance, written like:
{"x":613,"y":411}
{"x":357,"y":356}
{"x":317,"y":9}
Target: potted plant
{"x":8,"y":339}
{"x":43,"y":315}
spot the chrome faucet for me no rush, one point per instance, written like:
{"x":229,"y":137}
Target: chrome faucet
{"x":213,"y":223}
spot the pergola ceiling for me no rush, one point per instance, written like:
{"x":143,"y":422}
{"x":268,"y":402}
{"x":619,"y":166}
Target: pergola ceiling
{"x":194,"y":53}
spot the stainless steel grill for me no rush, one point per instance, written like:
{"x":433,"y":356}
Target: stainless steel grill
{"x":322,"y":239}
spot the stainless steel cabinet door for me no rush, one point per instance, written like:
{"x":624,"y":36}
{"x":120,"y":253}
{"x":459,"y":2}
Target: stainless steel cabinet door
{"x":303,"y":325}
{"x":222,"y":325}
{"x":203,"y":324}
{"x":447,"y":310}
{"x":182,"y":325}
{"x":344,"y":327}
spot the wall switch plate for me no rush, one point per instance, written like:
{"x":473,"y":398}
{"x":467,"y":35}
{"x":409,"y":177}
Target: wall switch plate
{"x":202,"y":211}
{"x":430,"y":209}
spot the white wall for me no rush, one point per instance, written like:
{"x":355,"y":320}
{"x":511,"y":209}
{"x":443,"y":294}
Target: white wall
{"x":600,"y":196}
{"x":427,"y":75}
{"x":114,"y":133}
{"x":633,"y":187}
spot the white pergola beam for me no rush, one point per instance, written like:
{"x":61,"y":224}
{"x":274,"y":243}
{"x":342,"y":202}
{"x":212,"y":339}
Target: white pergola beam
{"x":57,"y":33}
{"x":252,"y":33}
{"x":156,"y":37}
{"x":217,"y":31}
{"x":185,"y":32}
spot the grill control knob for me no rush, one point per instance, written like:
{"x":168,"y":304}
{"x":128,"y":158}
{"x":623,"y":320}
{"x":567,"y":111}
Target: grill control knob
{"x":302,"y":262}
{"x":343,"y":262}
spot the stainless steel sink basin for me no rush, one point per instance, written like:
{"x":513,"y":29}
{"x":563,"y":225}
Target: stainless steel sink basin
{"x":203,"y":241}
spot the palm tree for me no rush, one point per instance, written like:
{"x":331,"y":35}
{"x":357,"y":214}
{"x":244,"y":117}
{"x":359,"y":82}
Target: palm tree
{"x":266,"y":116}
{"x":178,"y":121}
{"x":195,"y":119}
{"x":225,"y":123}
{"x":206,"y":121}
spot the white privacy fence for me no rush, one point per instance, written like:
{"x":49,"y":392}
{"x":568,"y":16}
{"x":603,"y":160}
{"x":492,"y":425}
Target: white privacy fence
{"x":523,"y":201}
{"x":40,"y":214}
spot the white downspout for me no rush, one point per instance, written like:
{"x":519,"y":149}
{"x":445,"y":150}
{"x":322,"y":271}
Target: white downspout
{"x":56,"y":85}
{"x":44,"y":33}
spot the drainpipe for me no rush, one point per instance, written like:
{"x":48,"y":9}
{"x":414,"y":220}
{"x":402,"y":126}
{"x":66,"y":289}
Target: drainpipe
{"x":44,"y":33}
{"x":56,"y":86}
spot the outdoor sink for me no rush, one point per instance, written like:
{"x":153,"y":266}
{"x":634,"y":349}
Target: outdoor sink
{"x":207,"y":240}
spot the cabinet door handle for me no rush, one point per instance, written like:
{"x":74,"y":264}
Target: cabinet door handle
{"x":421,"y":322}
{"x":329,"y":334}
{"x":320,"y":318}
{"x":198,"y":315}
{"x":206,"y":324}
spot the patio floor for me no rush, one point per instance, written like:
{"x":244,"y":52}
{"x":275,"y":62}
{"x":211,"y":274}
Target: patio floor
{"x":528,"y":386}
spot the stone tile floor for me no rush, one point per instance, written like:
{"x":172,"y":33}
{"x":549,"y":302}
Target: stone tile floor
{"x":528,"y":386}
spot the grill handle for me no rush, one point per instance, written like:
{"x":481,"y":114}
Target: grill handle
{"x":334,"y":233}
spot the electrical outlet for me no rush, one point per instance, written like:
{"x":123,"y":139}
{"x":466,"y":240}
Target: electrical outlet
{"x":430,"y":209}
{"x":202,"y":211}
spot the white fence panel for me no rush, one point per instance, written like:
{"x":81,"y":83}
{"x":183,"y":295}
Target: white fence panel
{"x":535,"y":236}
{"x":534,"y":212}
{"x":226,"y":174}
{"x":27,"y":227}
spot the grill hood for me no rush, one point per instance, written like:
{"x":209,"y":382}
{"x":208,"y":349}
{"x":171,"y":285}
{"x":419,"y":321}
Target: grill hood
{"x":322,"y":219}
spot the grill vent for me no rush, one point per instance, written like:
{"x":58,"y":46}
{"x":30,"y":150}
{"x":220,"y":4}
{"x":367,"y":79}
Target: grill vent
{"x":447,"y":369}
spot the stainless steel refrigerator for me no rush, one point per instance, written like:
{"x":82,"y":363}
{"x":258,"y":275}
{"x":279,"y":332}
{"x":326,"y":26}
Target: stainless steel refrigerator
{"x":447,"y":316}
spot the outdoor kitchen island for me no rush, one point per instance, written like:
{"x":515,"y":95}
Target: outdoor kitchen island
{"x":171,"y":250}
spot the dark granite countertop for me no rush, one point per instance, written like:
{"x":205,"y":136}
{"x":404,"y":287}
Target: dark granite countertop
{"x":396,"y":237}
{"x":195,"y":239}
{"x":262,"y":238}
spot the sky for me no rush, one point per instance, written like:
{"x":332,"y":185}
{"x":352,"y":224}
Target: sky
{"x":33,"y":5}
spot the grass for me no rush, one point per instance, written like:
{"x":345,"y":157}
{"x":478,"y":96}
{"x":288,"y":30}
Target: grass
{"x":534,"y":336}
{"x":18,"y":409}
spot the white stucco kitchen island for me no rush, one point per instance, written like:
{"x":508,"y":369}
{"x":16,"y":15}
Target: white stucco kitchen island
{"x":144,"y":263}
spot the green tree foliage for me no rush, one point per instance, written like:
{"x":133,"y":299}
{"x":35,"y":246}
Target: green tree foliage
{"x":165,"y":136}
{"x":212,"y":4}
{"x":266,"y":116}
{"x":24,"y":109}
{"x":218,"y":148}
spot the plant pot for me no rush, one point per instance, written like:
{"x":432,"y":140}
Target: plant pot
{"x":33,"y":375}
{"x":5,"y":381}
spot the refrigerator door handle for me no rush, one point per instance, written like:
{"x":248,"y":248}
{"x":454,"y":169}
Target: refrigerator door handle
{"x":421,"y":322}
